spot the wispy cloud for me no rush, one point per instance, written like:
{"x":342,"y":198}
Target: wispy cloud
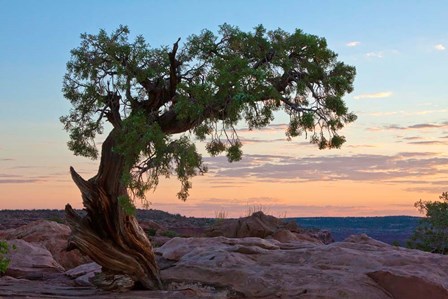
{"x":422,"y":126}
{"x":361,"y":145}
{"x":353,"y":44}
{"x":376,"y":95}
{"x":271,"y":128}
{"x":407,"y":113}
{"x":379,"y":54}
{"x":412,"y":138}
{"x":427,"y":142}
{"x":440,"y":47}
{"x":18,"y":181}
{"x":363,"y":167}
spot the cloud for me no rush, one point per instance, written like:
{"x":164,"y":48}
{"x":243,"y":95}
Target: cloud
{"x":429,"y":142}
{"x":379,"y":54}
{"x":360,"y":145}
{"x":439,"y":47}
{"x":274,"y":128}
{"x":377,"y":95}
{"x":422,"y":126}
{"x":406,"y":113}
{"x":256,"y":140}
{"x":353,"y":44}
{"x":363,"y":167}
{"x":7,"y":159}
{"x":18,"y":181}
{"x":412,"y":138}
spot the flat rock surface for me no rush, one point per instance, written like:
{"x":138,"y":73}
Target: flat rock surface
{"x":293,"y":266}
{"x":258,"y":268}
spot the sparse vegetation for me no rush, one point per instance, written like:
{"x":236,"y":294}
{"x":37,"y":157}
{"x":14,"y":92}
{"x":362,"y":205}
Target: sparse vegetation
{"x":396,"y":243}
{"x":56,"y":219}
{"x":256,"y":208}
{"x":4,"y":261}
{"x":432,"y":232}
{"x":220,"y":215}
{"x":169,"y":234}
{"x":151,"y":232}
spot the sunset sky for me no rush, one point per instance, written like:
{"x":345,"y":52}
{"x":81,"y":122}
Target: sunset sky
{"x":396,"y":152}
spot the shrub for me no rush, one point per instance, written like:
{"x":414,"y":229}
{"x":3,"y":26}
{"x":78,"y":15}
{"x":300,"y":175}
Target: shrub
{"x":432,"y":232}
{"x":4,"y":262}
{"x":169,"y":234}
{"x":56,"y":219}
{"x":151,"y":232}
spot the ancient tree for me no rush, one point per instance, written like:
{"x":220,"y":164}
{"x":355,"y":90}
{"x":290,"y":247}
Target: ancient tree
{"x":153,"y":102}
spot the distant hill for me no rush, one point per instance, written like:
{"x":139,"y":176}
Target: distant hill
{"x":386,"y":229}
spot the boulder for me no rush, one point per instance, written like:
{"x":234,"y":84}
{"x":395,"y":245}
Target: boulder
{"x":266,"y":226}
{"x":52,"y":236}
{"x":256,"y":225}
{"x":286,"y":236}
{"x":359,"y":267}
{"x":30,"y":260}
{"x":408,"y":286}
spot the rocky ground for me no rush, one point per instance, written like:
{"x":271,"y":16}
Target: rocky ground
{"x":252,"y":257}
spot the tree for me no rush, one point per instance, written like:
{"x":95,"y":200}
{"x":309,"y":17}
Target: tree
{"x":432,"y":232}
{"x":157,"y":100}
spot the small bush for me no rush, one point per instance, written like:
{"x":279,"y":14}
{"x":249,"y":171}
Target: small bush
{"x":151,"y":232}
{"x":56,"y":219}
{"x":4,"y":262}
{"x":432,"y":232}
{"x":169,"y":234}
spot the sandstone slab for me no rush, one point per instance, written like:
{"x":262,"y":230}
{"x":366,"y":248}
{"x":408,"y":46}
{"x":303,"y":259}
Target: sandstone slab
{"x":29,"y":260}
{"x":51,"y":235}
{"x":267,"y":268}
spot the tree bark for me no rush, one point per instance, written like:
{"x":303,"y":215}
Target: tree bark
{"x":106,"y":233}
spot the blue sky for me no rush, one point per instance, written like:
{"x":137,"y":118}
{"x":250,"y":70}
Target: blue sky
{"x":401,"y":97}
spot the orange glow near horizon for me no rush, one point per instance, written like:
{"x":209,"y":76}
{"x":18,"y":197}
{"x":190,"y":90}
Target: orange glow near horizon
{"x":290,"y":199}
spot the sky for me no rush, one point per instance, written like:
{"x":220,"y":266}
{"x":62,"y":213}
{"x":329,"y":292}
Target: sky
{"x":395,"y":154}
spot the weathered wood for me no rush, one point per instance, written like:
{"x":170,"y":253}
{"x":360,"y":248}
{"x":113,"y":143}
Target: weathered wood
{"x":106,"y":234}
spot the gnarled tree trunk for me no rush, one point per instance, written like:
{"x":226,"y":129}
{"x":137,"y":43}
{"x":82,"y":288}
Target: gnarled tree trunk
{"x":107,"y":234}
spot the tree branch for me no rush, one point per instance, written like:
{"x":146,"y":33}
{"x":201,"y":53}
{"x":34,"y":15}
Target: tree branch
{"x":174,"y":64}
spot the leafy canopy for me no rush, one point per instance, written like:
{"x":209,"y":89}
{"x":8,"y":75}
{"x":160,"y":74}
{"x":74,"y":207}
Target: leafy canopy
{"x":203,"y":87}
{"x":432,"y":232}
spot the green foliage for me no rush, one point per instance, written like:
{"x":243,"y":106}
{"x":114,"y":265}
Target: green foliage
{"x":432,"y":232}
{"x":126,"y":204}
{"x":4,"y":262}
{"x":56,"y":219}
{"x":157,"y":99}
{"x":151,"y":232}
{"x":169,"y":234}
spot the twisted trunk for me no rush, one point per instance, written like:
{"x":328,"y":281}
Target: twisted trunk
{"x":106,"y":233}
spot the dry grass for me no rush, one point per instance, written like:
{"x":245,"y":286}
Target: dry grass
{"x":220,"y":215}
